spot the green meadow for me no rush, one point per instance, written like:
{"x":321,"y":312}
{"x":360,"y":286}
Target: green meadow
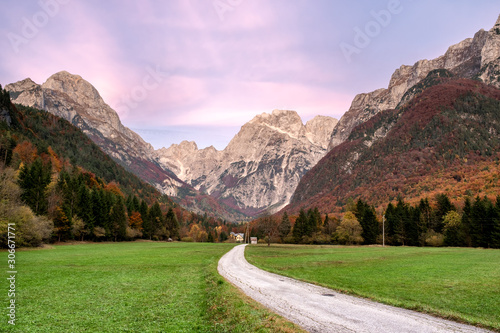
{"x":130,"y":287}
{"x":457,"y":283}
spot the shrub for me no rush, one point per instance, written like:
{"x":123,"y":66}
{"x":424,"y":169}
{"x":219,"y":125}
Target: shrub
{"x":433,"y":238}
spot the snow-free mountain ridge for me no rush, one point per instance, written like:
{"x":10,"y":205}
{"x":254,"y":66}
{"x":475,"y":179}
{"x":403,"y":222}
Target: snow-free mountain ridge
{"x":262,"y":164}
{"x":260,"y":167}
{"x":476,"y":57}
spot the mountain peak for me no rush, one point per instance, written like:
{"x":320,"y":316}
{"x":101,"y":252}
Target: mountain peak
{"x":280,"y":113}
{"x":75,"y":87}
{"x":287,"y":115}
{"x":187,"y":145}
{"x":26,"y":84}
{"x":496,"y":27}
{"x":472,"y":57}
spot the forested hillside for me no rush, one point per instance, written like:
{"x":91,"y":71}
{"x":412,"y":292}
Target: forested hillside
{"x":445,"y":140}
{"x":431,"y":167}
{"x":57,"y":185}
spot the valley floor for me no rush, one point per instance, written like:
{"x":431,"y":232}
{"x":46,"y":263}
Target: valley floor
{"x":130,"y":287}
{"x":319,"y":309}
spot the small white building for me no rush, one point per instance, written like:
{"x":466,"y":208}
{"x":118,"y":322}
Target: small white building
{"x":253,"y":240}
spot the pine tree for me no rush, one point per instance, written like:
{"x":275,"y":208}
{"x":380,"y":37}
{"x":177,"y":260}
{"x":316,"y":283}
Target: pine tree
{"x":84,"y":207}
{"x":146,"y":221}
{"x":425,"y":220}
{"x":118,"y":220}
{"x":443,"y":207}
{"x":411,"y":226}
{"x":285,"y":226}
{"x":33,"y":181}
{"x":135,"y":204}
{"x":368,"y":220}
{"x":99,"y":210}
{"x":172,"y":224}
{"x":299,"y":228}
{"x":390,"y":217}
{"x":479,"y":215}
{"x":495,"y":233}
{"x":128,"y":204}
{"x":69,"y":185}
{"x":156,"y":220}
{"x":395,"y":217}
{"x":210,"y":238}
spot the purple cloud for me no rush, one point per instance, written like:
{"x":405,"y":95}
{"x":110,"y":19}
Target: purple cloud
{"x":222,"y":62}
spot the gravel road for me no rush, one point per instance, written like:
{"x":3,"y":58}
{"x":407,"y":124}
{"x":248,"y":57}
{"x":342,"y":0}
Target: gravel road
{"x":318,"y":309}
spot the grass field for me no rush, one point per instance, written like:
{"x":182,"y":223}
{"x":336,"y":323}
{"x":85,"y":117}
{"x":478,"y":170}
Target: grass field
{"x":456,"y":283}
{"x":130,"y":287}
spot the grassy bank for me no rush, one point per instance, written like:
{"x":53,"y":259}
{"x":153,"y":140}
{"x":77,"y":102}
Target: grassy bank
{"x":131,"y":287}
{"x":462,"y":284}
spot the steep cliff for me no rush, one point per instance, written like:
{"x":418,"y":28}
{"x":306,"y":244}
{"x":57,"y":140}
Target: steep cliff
{"x":476,"y":57}
{"x":445,"y":139}
{"x":76,"y":100}
{"x":262,"y":164}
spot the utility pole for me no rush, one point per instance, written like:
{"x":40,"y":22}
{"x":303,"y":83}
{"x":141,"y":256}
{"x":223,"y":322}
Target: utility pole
{"x":247,"y":235}
{"x":383,"y":230}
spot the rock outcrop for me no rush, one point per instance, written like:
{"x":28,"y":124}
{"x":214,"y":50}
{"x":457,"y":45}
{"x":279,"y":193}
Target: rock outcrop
{"x":262,"y":164}
{"x":260,"y":167}
{"x":76,"y":100}
{"x":476,"y":57}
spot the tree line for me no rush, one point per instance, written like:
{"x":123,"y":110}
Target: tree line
{"x":438,"y":223}
{"x":47,"y":205}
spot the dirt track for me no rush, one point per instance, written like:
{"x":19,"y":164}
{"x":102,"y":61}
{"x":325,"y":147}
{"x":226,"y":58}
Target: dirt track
{"x":318,"y":309}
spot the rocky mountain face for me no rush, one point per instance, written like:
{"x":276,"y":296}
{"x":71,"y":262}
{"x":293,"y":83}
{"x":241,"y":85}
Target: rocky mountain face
{"x":262,"y":164}
{"x":260,"y":167}
{"x":76,"y":100}
{"x":445,"y":139}
{"x":476,"y":57}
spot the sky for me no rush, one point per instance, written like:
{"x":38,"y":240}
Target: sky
{"x":198,"y":70}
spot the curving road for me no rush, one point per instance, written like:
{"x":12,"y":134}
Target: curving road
{"x":319,"y":309}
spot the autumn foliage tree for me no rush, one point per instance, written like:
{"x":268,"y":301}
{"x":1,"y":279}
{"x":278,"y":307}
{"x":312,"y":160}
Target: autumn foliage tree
{"x":349,"y":231}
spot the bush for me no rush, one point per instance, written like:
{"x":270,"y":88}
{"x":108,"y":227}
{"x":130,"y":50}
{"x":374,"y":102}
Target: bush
{"x":433,"y":238}
{"x":30,"y":230}
{"x":99,"y":232}
{"x":187,"y":239}
{"x":133,"y":233}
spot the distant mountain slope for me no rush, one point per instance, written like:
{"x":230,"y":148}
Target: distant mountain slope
{"x":439,"y":137}
{"x":477,"y":57}
{"x":260,"y":168}
{"x":262,"y":164}
{"x":76,"y":100}
{"x":44,"y":130}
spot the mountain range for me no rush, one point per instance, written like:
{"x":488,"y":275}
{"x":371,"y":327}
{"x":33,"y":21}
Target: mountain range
{"x":261,"y":168}
{"x":434,"y":129}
